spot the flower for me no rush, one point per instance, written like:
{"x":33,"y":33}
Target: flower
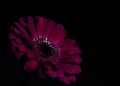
{"x":43,"y":43}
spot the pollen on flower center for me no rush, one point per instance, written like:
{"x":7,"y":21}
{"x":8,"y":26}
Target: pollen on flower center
{"x":44,"y":48}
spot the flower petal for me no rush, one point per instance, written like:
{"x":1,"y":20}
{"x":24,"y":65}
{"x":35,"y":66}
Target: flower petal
{"x":14,"y":39}
{"x":60,"y":73}
{"x":31,"y":26}
{"x":21,"y":29}
{"x":22,"y":32}
{"x":65,"y":79}
{"x":69,"y":68}
{"x":41,"y":26}
{"x":69,"y":46}
{"x":41,"y":73}
{"x":67,"y":43}
{"x":21,"y":49}
{"x":22,"y":21}
{"x":72,"y":78}
{"x":71,"y":51}
{"x":57,"y":34}
{"x":19,"y":55}
{"x":18,"y":50}
{"x":18,"y":46}
{"x":30,"y":54}
{"x":16,"y":31}
{"x":49,"y":70}
{"x":30,"y":65}
{"x":71,"y":59}
{"x":49,"y":28}
{"x":51,"y":73}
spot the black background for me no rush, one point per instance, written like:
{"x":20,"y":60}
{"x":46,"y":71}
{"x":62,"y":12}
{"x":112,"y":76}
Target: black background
{"x":86,"y":30}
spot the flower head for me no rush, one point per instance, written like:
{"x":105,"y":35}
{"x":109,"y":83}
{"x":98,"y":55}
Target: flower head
{"x":44,"y":45}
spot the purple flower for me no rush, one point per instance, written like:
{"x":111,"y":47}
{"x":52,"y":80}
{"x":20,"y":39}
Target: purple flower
{"x":43,"y":43}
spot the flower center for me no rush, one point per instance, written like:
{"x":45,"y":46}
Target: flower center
{"x":45,"y":49}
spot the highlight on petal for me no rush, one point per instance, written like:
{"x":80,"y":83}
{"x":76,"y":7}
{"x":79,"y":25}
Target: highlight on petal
{"x":31,"y":66}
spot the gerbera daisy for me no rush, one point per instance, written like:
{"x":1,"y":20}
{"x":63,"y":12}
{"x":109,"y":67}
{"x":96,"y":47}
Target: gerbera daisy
{"x":44,"y":45}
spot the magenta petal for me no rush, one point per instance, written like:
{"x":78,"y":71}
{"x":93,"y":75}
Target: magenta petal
{"x":30,"y":65}
{"x":21,"y":48}
{"x":13,"y":48}
{"x":49,"y":28}
{"x":67,"y":43}
{"x":14,"y":45}
{"x":17,"y":48}
{"x":69,"y":46}
{"x":15,"y":40}
{"x":72,"y":51}
{"x":47,"y":66}
{"x":58,"y":33}
{"x":49,"y":70}
{"x":72,"y":78}
{"x":69,"y":68}
{"x":18,"y":41}
{"x":19,"y":55}
{"x":60,"y":73}
{"x":16,"y":31}
{"x":30,"y":54}
{"x":31,"y":26}
{"x":23,"y":32}
{"x":68,"y":79}
{"x":11,"y":36}
{"x":41,"y":73}
{"x":71,"y":59}
{"x":20,"y":28}
{"x":41,"y":26}
{"x":51,"y":73}
{"x":65,"y":79}
{"x":22,"y":22}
